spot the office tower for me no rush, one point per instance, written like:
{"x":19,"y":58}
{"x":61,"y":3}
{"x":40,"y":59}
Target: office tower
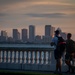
{"x":31,"y":33}
{"x":52,"y":31}
{"x":24,"y":35}
{"x":47,"y":30}
{"x":3,"y":33}
{"x":3,"y":37}
{"x":16,"y":35}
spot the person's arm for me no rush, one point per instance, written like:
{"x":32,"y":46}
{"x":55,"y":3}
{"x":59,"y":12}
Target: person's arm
{"x":52,"y":43}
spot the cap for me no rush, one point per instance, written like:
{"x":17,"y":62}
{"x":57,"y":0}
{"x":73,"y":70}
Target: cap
{"x":57,"y":32}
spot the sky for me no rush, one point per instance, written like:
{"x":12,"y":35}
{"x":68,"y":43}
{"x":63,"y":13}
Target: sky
{"x":22,"y":13}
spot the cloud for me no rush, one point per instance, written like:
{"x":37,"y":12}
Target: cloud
{"x":51,"y":15}
{"x":3,"y":2}
{"x":19,"y":6}
{"x":6,"y":2}
{"x":3,"y":14}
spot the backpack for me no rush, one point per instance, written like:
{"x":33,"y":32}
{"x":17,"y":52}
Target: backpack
{"x":61,"y":45}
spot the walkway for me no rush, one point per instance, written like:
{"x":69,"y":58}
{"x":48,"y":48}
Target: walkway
{"x":35,"y":72}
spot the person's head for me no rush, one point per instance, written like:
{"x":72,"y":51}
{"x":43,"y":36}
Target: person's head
{"x":69,"y":35}
{"x":57,"y":32}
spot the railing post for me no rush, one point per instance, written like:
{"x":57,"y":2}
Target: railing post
{"x":3,"y":56}
{"x":40,"y":57}
{"x":18,"y":56}
{"x":0,"y":56}
{"x":14,"y":56}
{"x":31,"y":58}
{"x":22,"y":56}
{"x":44,"y":57}
{"x":10,"y":56}
{"x":6,"y":57}
{"x":35,"y":57}
{"x":27,"y":58}
{"x":49,"y":57}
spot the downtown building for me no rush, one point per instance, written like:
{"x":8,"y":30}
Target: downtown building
{"x":31,"y":33}
{"x":49,"y":31}
{"x":16,"y":35}
{"x":24,"y":35}
{"x":3,"y":37}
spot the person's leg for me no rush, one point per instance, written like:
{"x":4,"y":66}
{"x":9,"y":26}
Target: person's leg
{"x":56,"y":58}
{"x":59,"y":64}
{"x":72,"y":69}
{"x":56,"y":69}
{"x":69,"y":65}
{"x":67,"y":61}
{"x":60,"y":60}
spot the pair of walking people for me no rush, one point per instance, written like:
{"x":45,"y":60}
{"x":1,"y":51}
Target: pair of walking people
{"x":60,"y":48}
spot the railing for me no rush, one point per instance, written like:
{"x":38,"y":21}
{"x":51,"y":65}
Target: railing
{"x":28,"y":57}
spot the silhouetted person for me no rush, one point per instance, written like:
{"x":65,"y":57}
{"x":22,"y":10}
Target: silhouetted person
{"x":57,"y":53}
{"x":70,"y":44}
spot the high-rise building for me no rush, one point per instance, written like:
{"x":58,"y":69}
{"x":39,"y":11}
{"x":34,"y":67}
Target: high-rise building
{"x":16,"y":35}
{"x":3,"y":37}
{"x":47,"y":30}
{"x":52,"y":31}
{"x":31,"y":33}
{"x":24,"y":35}
{"x":3,"y":33}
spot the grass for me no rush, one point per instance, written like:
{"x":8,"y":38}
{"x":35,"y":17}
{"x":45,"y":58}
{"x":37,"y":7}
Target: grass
{"x":9,"y":72}
{"x":23,"y":73}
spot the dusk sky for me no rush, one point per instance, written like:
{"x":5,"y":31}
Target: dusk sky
{"x":22,"y":13}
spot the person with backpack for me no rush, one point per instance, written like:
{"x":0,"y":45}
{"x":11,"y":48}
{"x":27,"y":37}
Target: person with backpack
{"x":70,"y":52}
{"x":59,"y":48}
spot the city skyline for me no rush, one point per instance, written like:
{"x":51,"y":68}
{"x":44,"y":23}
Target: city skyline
{"x":28,"y":35}
{"x":32,"y":30}
{"x":22,"y":13}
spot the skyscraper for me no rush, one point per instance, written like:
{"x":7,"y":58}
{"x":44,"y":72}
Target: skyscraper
{"x":24,"y":35}
{"x":3,"y":37}
{"x":47,"y":30}
{"x":52,"y":31}
{"x":31,"y":33}
{"x":3,"y":33}
{"x":16,"y":35}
